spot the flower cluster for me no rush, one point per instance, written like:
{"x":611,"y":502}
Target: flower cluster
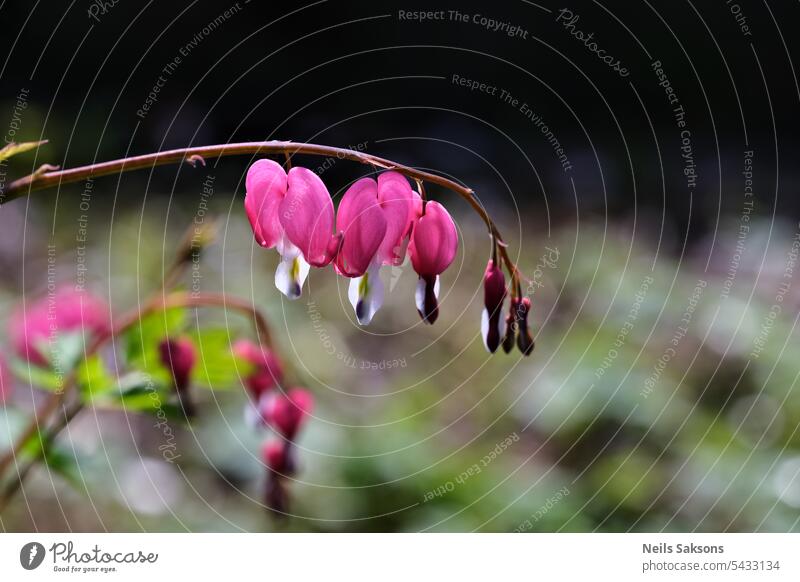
{"x":514,"y":328}
{"x":376,"y":223}
{"x":283,"y":411}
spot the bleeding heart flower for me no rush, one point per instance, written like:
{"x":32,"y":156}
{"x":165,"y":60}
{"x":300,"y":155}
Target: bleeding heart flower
{"x":293,"y":213}
{"x":267,"y":371}
{"x":178,"y":356}
{"x":375,"y":219}
{"x":285,"y":413}
{"x":494,"y":294}
{"x":36,"y":330}
{"x":433,"y":246}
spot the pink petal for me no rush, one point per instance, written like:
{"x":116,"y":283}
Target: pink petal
{"x":306,"y":214}
{"x":266,"y":185}
{"x":396,"y":199}
{"x":361,"y":221}
{"x":434,"y":241}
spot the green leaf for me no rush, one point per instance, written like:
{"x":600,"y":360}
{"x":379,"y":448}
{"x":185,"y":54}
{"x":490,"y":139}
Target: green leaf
{"x":141,"y":342}
{"x":217,"y":368}
{"x":64,"y":353}
{"x":151,"y":400}
{"x":93,"y":379}
{"x":13,"y":149}
{"x":41,"y":377}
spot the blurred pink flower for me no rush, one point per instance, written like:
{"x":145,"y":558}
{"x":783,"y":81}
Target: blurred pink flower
{"x":293,"y":213}
{"x":285,"y":413}
{"x":524,"y":338}
{"x":433,"y":246}
{"x":178,"y":356}
{"x":34,"y":331}
{"x":275,"y":454}
{"x":267,"y":370}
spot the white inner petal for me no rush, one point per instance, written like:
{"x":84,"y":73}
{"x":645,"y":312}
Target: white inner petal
{"x":366,"y":294}
{"x":292,"y":270}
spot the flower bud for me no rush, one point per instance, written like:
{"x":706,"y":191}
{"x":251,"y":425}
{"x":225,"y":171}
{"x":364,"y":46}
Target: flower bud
{"x":277,"y":456}
{"x":285,"y":413}
{"x":267,"y":370}
{"x":524,"y":339}
{"x":494,"y":294}
{"x":510,"y":337}
{"x":178,"y":356}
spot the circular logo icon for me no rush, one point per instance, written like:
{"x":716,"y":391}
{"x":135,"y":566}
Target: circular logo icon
{"x":31,"y":555}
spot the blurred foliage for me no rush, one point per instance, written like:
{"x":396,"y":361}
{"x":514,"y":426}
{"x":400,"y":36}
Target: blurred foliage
{"x":410,"y":418}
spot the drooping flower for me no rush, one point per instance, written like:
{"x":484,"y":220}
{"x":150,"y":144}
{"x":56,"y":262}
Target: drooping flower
{"x":285,"y":413}
{"x":267,"y":371}
{"x":37,"y":330}
{"x":494,"y":294}
{"x":375,"y":219}
{"x":178,"y":356}
{"x":294,"y":214}
{"x":433,"y":246}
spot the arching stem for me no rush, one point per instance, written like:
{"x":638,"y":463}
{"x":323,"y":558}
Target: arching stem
{"x":46,"y":177}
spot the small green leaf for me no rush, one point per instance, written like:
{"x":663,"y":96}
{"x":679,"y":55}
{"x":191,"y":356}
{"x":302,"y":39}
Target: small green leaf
{"x":93,"y":379}
{"x":41,"y":377}
{"x":217,"y":368}
{"x":141,"y":342}
{"x":13,"y":149}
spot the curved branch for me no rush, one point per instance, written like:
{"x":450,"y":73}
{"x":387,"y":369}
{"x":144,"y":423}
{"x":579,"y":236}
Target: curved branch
{"x":47,"y":178}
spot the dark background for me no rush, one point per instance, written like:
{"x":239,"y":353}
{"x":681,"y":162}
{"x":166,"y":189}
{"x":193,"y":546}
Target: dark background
{"x":341,"y":73}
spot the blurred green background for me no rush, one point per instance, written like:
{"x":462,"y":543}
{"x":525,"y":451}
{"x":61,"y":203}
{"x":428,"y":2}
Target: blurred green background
{"x":662,"y":394}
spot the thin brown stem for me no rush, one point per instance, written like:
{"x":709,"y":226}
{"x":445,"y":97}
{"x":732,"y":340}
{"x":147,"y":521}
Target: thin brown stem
{"x":49,"y":178}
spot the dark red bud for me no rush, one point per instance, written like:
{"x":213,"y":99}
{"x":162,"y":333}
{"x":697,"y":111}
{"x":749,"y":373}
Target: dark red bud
{"x":511,"y":326}
{"x":178,"y":356}
{"x":525,"y":341}
{"x":494,"y":294}
{"x":285,"y":413}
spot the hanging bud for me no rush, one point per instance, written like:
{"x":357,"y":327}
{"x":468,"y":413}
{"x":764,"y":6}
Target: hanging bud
{"x":285,"y":413}
{"x":494,"y":294}
{"x":178,"y":356}
{"x":510,"y":337}
{"x":276,"y":456}
{"x":524,"y":339}
{"x":267,"y":371}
